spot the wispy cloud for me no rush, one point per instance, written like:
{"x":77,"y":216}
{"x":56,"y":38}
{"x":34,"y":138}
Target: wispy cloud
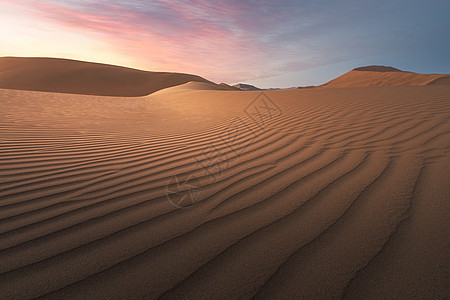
{"x":224,"y":40}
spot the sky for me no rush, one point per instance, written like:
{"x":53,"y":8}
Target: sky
{"x":281,"y":43}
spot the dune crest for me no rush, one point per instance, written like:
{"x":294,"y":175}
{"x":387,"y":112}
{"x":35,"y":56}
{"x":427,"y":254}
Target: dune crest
{"x":197,"y":86}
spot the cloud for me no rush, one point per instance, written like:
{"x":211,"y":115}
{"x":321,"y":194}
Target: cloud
{"x":230,"y":40}
{"x":164,"y":36}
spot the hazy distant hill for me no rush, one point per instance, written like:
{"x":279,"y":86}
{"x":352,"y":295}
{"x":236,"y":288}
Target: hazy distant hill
{"x":246,"y":87}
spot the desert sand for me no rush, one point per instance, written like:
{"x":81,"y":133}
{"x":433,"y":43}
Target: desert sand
{"x":199,"y":192}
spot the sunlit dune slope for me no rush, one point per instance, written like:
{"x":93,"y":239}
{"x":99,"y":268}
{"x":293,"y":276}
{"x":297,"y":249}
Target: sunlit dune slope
{"x":385,"y":76}
{"x":77,"y":77}
{"x":198,"y":86}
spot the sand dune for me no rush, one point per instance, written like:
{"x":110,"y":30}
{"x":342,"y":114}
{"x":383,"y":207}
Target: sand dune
{"x":198,"y":86}
{"x":444,"y":80}
{"x":77,"y":77}
{"x":198,"y":193}
{"x":385,"y":76}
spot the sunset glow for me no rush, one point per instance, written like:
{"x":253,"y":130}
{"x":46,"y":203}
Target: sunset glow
{"x":266,"y":43}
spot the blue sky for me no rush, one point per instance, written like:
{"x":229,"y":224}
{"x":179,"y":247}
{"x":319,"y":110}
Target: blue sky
{"x":266,"y":43}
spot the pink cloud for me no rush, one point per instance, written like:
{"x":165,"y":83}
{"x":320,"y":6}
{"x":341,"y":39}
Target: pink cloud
{"x":223,"y":40}
{"x":190,"y":40}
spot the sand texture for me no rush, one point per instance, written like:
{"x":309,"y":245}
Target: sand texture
{"x":199,"y":193}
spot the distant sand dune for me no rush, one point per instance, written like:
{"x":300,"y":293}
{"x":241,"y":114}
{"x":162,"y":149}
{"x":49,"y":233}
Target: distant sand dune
{"x":77,"y":77}
{"x":321,"y":193}
{"x":444,"y":80}
{"x":385,"y":76}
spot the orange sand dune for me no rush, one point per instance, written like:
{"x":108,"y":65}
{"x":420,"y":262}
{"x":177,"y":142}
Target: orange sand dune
{"x":77,"y":77}
{"x":197,"y":193}
{"x":385,"y":76}
{"x":193,"y":85}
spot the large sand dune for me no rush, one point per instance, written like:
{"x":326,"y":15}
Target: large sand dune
{"x":385,"y":76}
{"x":198,"y":193}
{"x":77,"y":77}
